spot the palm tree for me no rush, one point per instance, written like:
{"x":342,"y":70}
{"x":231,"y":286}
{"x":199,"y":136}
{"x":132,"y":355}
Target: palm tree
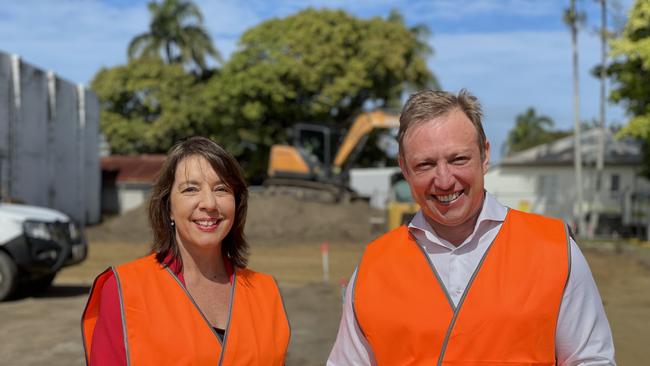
{"x":176,"y":33}
{"x":530,"y":130}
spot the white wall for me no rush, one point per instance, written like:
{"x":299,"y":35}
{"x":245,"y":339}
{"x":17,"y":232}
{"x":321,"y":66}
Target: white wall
{"x":373,"y":183}
{"x":6,"y":112}
{"x":48,"y":151}
{"x":551,"y":190}
{"x":131,"y":196}
{"x":29,"y":156}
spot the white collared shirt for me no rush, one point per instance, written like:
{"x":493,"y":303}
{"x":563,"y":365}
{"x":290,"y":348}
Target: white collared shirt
{"x":583,"y":336}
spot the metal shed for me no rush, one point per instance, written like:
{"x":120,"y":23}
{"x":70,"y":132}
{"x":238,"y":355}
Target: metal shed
{"x":49,"y":135}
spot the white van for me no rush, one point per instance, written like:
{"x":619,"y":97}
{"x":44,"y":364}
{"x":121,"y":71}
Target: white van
{"x":35,"y":243}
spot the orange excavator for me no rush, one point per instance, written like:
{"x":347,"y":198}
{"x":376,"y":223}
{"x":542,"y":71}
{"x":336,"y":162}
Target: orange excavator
{"x":306,"y":167}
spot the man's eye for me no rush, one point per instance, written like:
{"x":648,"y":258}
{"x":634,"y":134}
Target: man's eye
{"x":460,"y":160}
{"x":423,"y":166}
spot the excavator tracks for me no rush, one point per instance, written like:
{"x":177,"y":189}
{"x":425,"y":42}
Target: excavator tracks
{"x":307,"y":190}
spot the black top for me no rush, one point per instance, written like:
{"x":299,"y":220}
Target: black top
{"x":220,"y":332}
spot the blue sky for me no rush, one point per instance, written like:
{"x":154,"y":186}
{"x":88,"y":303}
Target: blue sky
{"x":511,"y":53}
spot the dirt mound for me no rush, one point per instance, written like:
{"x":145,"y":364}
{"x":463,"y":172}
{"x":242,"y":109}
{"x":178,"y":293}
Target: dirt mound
{"x":130,"y":227}
{"x":284,"y":219}
{"x":271,"y":220}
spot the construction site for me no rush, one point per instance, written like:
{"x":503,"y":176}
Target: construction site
{"x":308,"y":226}
{"x":287,"y":238}
{"x":320,"y":154}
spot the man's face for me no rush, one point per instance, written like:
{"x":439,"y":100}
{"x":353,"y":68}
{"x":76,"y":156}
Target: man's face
{"x":442,"y":163}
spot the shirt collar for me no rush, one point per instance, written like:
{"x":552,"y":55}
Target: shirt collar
{"x":491,"y":211}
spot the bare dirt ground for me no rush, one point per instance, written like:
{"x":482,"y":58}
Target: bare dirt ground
{"x":285,"y":238}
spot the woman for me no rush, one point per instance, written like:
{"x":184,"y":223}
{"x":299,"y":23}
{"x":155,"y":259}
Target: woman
{"x":191,"y":301}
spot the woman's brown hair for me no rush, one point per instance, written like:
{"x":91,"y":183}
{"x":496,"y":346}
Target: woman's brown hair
{"x":234,"y":246}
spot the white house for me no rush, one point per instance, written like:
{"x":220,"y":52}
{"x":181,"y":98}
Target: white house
{"x":542,"y":180}
{"x":127,"y":180}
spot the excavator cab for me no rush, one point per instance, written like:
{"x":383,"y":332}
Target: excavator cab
{"x":317,"y":142}
{"x":309,"y":157}
{"x":317,"y":161}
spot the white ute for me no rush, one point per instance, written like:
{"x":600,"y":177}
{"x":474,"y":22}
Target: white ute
{"x":36,"y":242}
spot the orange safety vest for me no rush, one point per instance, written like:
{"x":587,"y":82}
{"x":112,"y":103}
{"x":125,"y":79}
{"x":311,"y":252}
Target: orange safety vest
{"x":163,"y":326}
{"x":507,"y":315}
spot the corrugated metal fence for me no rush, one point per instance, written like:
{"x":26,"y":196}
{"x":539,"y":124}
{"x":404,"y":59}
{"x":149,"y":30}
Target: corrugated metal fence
{"x":49,"y":135}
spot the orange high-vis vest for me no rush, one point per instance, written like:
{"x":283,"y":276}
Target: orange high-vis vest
{"x":163,"y":326}
{"x":507,"y":315}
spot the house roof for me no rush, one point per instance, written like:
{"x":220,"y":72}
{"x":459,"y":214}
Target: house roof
{"x":624,"y":151}
{"x":134,"y":168}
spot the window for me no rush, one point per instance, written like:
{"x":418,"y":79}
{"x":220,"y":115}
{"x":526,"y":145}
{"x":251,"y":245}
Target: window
{"x":615,"y":183}
{"x":547,"y":187}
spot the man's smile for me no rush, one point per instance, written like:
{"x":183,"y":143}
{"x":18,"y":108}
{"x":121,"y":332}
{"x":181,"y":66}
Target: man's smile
{"x":447,"y":198}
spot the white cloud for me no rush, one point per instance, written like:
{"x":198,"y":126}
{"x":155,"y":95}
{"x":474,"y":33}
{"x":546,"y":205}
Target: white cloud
{"x":76,"y":38}
{"x":457,"y":10}
{"x":229,"y":18}
{"x":73,"y":38}
{"x":438,"y":9}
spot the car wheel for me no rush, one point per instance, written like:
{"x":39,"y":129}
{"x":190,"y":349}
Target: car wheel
{"x":8,"y":275}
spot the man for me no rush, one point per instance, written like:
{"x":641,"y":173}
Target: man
{"x":469,"y":281}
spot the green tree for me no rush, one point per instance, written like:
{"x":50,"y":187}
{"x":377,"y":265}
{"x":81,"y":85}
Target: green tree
{"x":146,"y":105}
{"x":630,"y":73}
{"x":318,"y":66}
{"x":531,"y":130}
{"x":175,"y":31}
{"x":315,"y":66}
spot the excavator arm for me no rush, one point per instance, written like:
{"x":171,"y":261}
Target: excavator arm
{"x":293,"y":169}
{"x":361,"y":127}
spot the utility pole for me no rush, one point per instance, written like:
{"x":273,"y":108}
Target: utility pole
{"x":572,"y":18}
{"x":600,"y":151}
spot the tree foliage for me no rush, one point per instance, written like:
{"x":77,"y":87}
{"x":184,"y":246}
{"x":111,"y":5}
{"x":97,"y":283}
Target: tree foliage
{"x":531,"y":130}
{"x":146,"y":105}
{"x":630,"y":73}
{"x":318,"y":66}
{"x":175,"y":31}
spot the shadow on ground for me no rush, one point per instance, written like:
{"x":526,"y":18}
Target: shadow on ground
{"x":52,"y":292}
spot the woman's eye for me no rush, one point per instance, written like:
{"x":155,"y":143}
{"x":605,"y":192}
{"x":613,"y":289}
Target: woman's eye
{"x":221,"y":189}
{"x":188,"y":189}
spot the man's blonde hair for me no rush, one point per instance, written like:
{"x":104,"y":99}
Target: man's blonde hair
{"x":426,"y":105}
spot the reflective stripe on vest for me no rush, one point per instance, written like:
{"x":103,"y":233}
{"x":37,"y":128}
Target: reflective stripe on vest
{"x":163,"y":325}
{"x":507,"y":315}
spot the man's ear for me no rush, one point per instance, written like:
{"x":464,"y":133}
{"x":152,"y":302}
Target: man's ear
{"x":486,"y":161}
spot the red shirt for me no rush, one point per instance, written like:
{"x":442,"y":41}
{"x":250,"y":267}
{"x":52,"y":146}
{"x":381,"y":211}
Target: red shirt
{"x":108,"y":337}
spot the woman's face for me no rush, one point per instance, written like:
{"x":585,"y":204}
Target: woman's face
{"x":202,"y":206}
